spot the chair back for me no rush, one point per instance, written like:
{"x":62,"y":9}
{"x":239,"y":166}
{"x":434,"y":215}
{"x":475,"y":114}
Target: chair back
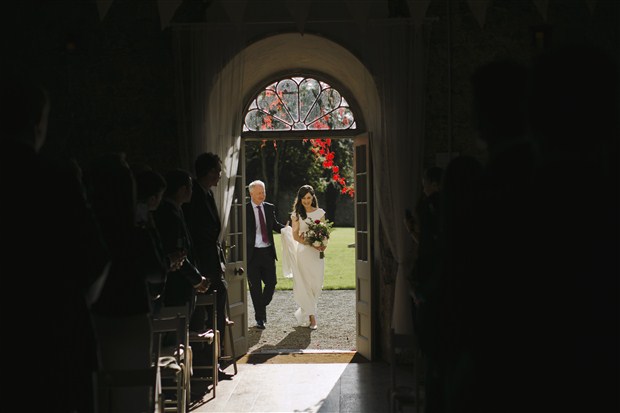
{"x":403,"y":393}
{"x":127,"y":378}
{"x":170,"y":331}
{"x":205,"y":366}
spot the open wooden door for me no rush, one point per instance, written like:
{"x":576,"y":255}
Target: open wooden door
{"x":363,"y":236}
{"x":235,"y":256}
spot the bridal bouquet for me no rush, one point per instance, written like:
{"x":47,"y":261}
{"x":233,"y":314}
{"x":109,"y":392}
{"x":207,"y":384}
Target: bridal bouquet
{"x":318,"y":233}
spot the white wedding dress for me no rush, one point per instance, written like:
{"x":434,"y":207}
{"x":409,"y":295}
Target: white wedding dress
{"x":303,"y":263}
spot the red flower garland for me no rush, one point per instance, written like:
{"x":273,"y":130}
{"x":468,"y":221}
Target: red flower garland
{"x":322,"y":150}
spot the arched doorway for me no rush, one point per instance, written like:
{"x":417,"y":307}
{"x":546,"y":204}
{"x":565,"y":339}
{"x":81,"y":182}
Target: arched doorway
{"x":307,"y":54}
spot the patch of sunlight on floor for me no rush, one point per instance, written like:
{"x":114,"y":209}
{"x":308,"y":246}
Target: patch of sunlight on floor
{"x":276,"y":387}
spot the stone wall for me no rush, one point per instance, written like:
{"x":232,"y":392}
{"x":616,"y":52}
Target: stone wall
{"x":111,"y":82}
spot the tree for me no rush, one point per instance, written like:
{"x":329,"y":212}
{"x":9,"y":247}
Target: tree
{"x":284,"y":165}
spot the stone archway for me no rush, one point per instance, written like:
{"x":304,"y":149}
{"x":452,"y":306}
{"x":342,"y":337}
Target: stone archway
{"x":307,"y":54}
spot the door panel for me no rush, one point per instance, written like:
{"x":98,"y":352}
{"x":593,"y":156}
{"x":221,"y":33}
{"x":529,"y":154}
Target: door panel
{"x":235,"y":256}
{"x":363,"y":214}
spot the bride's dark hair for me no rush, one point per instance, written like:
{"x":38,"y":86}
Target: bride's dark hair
{"x":298,"y":207}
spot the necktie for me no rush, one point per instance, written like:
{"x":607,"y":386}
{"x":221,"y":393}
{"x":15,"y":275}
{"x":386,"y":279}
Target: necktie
{"x":263,"y":226}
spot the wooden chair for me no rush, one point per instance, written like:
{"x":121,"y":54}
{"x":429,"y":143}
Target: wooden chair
{"x":211,"y":338}
{"x":401,"y":395}
{"x":174,"y":358}
{"x":128,"y":379}
{"x":133,"y":390}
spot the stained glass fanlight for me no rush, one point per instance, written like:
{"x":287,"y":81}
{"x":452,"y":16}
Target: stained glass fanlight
{"x":299,"y":103}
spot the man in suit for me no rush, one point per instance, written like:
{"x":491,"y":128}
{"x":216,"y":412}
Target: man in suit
{"x":182,"y":285}
{"x":203,"y":222}
{"x":261,"y":223}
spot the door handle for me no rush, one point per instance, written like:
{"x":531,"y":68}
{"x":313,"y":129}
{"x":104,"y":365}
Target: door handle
{"x":238,"y":271}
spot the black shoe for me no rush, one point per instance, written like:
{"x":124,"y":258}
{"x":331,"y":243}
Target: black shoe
{"x":260,"y":324}
{"x":222,"y":375}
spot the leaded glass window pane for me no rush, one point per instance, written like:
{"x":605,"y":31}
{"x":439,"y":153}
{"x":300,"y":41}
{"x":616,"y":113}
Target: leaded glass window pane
{"x":298,"y":103}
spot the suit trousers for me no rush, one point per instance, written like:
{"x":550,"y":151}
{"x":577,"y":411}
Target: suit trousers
{"x":262,"y":270}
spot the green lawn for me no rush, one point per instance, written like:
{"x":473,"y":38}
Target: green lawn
{"x":339,"y":262}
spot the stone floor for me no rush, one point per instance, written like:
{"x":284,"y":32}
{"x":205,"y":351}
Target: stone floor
{"x":273,"y":386}
{"x":313,"y":387}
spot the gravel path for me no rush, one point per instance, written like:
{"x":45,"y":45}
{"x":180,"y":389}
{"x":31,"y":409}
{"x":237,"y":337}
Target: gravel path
{"x":335,"y":320}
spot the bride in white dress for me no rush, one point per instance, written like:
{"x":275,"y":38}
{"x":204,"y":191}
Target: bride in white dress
{"x":301,"y":260}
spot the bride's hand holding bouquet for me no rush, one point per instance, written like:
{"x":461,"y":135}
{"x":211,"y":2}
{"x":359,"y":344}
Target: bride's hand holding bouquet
{"x":317,"y":234}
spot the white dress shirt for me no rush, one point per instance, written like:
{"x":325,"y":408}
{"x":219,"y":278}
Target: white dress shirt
{"x":258,"y":242}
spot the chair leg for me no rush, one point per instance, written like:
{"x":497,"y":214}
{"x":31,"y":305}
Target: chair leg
{"x":230,"y":337}
{"x":189,"y":361}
